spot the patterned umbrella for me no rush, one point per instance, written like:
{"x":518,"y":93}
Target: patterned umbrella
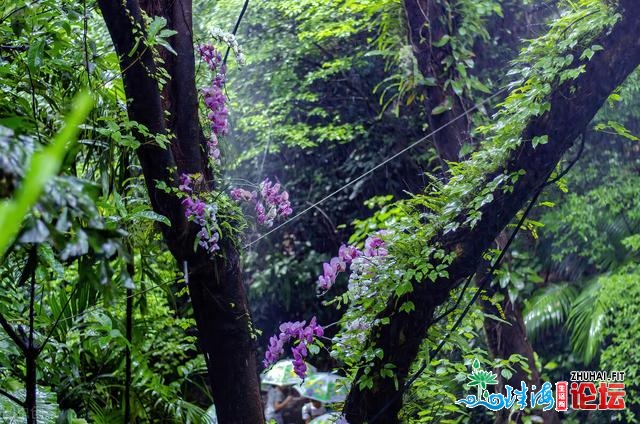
{"x":330,"y":418}
{"x":325,"y":387}
{"x":282,"y":374}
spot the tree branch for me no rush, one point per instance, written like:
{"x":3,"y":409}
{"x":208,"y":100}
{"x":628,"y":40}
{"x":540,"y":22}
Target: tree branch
{"x":179,"y":95}
{"x":12,"y":398}
{"x":29,"y":268}
{"x":12,"y":333}
{"x":424,"y":18}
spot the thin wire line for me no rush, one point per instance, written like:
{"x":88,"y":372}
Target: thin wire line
{"x":383,"y":163}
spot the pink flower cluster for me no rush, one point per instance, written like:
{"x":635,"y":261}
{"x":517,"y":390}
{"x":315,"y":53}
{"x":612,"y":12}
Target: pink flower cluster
{"x":240,"y":194}
{"x":215,"y":100}
{"x":300,"y":336}
{"x":276,"y":204}
{"x":272,"y":204}
{"x":195,"y":210}
{"x":213,"y":151}
{"x":373,"y":246}
{"x":210,"y":55}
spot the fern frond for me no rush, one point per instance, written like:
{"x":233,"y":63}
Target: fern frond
{"x":586,"y":322}
{"x":548,"y":308}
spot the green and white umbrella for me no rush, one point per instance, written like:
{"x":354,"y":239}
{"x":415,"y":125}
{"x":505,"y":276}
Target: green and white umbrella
{"x":325,"y":387}
{"x":330,"y":418}
{"x":282,"y":374}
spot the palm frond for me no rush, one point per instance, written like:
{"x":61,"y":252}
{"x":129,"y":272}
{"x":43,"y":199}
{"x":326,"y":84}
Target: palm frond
{"x":105,"y":415}
{"x":586,"y":322}
{"x":615,"y":229}
{"x":46,"y":407}
{"x":548,"y":308}
{"x":67,"y":306}
{"x":188,"y":413}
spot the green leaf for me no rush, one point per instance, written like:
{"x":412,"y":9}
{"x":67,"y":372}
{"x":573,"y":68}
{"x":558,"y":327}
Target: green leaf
{"x":13,"y":122}
{"x":34,"y":55}
{"x":614,"y":97}
{"x":157,"y":34}
{"x":543,"y":139}
{"x":44,"y":165}
{"x":407,"y":307}
{"x":404,"y":288}
{"x":586,"y":322}
{"x":442,"y":41}
{"x":506,"y":373}
{"x":155,"y":26}
{"x":442,"y":108}
{"x":496,"y":318}
{"x":164,"y":43}
{"x":622,"y":131}
{"x":151,"y":215}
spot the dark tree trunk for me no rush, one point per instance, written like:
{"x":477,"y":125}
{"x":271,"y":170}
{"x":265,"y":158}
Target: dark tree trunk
{"x":429,"y":21}
{"x":504,"y":340}
{"x":31,"y":385}
{"x":31,"y":351}
{"x":427,"y":24}
{"x":215,"y":284}
{"x":572,"y":106}
{"x":507,"y":338}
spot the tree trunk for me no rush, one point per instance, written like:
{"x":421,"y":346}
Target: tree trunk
{"x":572,"y":106}
{"x":426,"y":21}
{"x":31,"y":352}
{"x":426,"y":25}
{"x":215,"y":284}
{"x":31,"y":385}
{"x":504,"y":340}
{"x":507,"y":338}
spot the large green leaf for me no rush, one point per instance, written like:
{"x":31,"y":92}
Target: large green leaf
{"x":46,"y":408}
{"x":44,"y":165}
{"x":586,"y":322}
{"x":548,"y":309}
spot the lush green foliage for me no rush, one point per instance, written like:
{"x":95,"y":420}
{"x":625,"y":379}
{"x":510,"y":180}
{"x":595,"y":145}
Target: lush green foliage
{"x":329,"y":90}
{"x":91,"y":234}
{"x":619,"y":295}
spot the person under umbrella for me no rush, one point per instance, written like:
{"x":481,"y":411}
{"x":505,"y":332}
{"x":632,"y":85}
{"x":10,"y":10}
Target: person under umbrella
{"x":276,"y":403}
{"x":279,"y":376}
{"x":313,"y":408}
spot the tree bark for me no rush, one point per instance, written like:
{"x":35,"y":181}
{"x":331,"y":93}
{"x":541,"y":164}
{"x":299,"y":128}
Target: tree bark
{"x":31,"y":385}
{"x":215,"y":284}
{"x":572,"y":106}
{"x":426,"y":21}
{"x":504,"y":340}
{"x":426,"y":25}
